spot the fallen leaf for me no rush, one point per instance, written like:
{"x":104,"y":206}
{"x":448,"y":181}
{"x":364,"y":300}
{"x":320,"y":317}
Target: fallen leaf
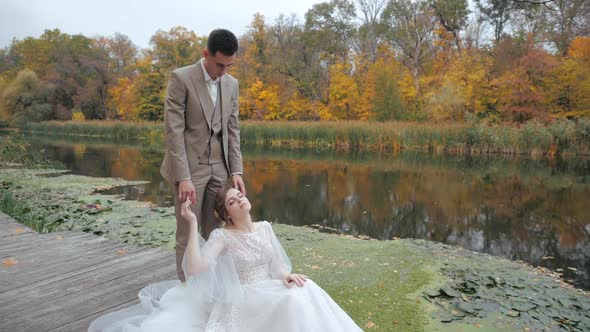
{"x":394,"y":322}
{"x":59,"y":238}
{"x":381,"y":284}
{"x":19,"y":230}
{"x":8,"y":262}
{"x":370,"y":325}
{"x":315,"y":267}
{"x":121,"y":252}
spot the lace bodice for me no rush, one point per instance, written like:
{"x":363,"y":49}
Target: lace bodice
{"x":254,"y":255}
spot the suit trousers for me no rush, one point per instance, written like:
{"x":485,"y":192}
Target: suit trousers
{"x":208,"y":180}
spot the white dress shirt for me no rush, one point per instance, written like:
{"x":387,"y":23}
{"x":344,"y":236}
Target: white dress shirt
{"x":212,"y":85}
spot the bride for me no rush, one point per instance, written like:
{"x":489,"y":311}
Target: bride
{"x":239,"y":280}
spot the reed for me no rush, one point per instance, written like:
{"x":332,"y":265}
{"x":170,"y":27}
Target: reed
{"x":564,"y":136}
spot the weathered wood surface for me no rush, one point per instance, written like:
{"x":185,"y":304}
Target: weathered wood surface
{"x":61,"y":281}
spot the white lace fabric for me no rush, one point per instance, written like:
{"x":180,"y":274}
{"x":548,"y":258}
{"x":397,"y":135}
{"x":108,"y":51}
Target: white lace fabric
{"x":240,"y":290}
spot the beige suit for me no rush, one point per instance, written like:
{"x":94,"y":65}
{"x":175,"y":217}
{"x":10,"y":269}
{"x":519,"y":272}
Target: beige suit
{"x":188,"y":115}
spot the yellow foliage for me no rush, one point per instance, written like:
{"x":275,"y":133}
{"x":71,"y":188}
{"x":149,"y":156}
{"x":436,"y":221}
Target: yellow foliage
{"x":344,"y":95}
{"x":298,"y":107}
{"x":408,"y":90}
{"x":463,"y":83}
{"x":571,"y":88}
{"x":78,"y":116}
{"x":261,"y":102}
{"x":125,"y":97}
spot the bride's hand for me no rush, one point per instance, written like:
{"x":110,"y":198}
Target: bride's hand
{"x":298,"y":279}
{"x":187,"y":213}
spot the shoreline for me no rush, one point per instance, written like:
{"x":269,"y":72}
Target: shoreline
{"x":563,"y":139}
{"x":393,"y":285}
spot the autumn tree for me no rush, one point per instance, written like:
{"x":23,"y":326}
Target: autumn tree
{"x":565,"y":20}
{"x":370,"y":32}
{"x":411,"y":33}
{"x":571,"y":86}
{"x":452,"y":16}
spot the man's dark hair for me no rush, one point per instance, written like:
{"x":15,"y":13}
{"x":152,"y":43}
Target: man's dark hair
{"x":222,"y":40}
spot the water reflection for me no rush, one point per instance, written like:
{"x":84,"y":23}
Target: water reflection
{"x":515,"y":208}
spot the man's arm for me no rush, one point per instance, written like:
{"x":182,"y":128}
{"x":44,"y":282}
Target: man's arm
{"x":235,"y":153}
{"x":174,"y":124}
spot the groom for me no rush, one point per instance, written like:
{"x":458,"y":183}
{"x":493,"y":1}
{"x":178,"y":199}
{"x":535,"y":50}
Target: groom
{"x":202,"y":133}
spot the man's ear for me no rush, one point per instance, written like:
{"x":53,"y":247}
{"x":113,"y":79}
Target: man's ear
{"x":205,"y":53}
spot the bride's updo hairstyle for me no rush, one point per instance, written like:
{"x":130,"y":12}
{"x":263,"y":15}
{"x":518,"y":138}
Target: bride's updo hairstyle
{"x":220,"y":212}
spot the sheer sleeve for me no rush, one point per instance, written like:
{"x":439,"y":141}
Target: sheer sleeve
{"x":212,"y":276}
{"x":280,"y":265}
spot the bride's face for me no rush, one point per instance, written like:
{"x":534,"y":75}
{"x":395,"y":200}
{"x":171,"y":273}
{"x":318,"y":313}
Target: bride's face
{"x":236,"y":203}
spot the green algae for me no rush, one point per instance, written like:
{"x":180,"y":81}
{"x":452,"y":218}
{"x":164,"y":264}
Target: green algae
{"x":397,"y":285}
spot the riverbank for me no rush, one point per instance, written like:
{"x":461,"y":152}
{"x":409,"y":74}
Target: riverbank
{"x":396,"y":285}
{"x":564,"y":137}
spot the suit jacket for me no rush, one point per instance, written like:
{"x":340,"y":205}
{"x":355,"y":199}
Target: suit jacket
{"x":187,"y":119}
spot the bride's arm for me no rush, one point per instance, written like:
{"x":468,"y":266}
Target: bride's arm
{"x":195,"y":259}
{"x":280,"y":264}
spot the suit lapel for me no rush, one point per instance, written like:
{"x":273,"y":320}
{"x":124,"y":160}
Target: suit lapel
{"x":203,"y":94}
{"x":225,"y":100}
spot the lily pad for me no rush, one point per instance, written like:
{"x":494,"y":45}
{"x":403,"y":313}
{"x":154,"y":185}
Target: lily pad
{"x":522,"y":306}
{"x":447,"y":290}
{"x":432,"y":292}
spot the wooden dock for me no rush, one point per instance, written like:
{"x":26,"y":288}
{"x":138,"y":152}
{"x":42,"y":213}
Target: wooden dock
{"x":61,"y":281}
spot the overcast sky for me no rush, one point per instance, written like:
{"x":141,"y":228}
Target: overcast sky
{"x":138,"y":19}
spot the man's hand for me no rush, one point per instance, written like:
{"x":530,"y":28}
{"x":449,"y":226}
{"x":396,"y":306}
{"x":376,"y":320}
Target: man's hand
{"x":186,"y":190}
{"x":239,"y":183}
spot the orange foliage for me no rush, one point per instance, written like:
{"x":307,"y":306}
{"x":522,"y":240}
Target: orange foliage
{"x":580,"y":49}
{"x":124,"y":97}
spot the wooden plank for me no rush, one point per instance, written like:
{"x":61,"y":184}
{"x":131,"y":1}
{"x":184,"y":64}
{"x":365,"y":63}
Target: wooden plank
{"x":9,"y":227}
{"x":103,"y":287}
{"x":83,"y":323}
{"x":42,"y":241}
{"x":58,"y":312}
{"x":64,"y":249}
{"x":64,"y":280}
{"x":55,"y":291}
{"x":50,"y":284}
{"x":49,"y":269}
{"x":42,"y":245}
{"x":16,"y":292}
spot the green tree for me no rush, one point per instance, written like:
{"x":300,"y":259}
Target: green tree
{"x":497,"y":12}
{"x":175,"y":48}
{"x":27,"y":99}
{"x":329,"y":27}
{"x":151,"y":100}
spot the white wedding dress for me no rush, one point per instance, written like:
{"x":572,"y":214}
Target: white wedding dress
{"x":240,"y":290}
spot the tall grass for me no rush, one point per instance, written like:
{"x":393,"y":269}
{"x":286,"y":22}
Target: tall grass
{"x":117,"y":130}
{"x":565,"y":137}
{"x":16,"y":150}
